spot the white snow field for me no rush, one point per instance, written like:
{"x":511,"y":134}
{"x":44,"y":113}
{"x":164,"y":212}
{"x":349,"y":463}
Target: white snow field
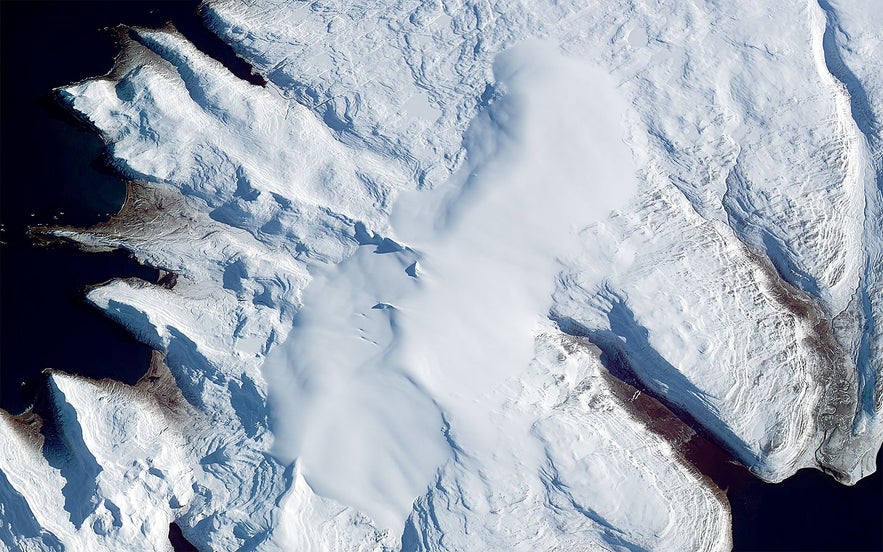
{"x":410,"y":268}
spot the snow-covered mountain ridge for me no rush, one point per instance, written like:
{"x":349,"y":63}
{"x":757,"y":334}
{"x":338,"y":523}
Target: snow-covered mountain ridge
{"x":405,"y":266}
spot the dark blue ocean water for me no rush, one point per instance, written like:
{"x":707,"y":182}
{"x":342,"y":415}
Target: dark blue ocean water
{"x":50,"y":165}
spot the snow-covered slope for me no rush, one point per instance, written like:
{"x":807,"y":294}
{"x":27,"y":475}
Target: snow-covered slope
{"x":400,"y":276}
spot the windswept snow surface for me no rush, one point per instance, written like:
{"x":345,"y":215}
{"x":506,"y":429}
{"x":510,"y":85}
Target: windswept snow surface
{"x":408,"y":266}
{"x":373,"y":342}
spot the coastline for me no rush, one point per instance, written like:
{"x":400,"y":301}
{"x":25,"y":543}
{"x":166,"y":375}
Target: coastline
{"x":734,"y":487}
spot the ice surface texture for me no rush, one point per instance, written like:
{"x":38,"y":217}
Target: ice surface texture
{"x":401,"y":264}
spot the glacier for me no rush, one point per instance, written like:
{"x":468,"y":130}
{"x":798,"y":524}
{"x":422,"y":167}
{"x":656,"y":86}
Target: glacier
{"x":406,"y":280}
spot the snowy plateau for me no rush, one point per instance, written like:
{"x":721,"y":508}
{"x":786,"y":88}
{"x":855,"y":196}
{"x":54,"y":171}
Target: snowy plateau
{"x":409,"y":277}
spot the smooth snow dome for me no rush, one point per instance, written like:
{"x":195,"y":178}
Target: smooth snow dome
{"x":386,"y":355}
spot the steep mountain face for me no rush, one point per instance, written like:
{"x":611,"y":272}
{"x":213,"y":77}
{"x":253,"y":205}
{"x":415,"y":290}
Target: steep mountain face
{"x":403,"y":277}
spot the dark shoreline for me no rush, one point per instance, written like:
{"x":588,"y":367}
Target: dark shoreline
{"x":56,"y":171}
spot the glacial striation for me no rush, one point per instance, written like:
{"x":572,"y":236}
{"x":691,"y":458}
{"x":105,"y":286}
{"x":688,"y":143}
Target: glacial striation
{"x":404,"y":278}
